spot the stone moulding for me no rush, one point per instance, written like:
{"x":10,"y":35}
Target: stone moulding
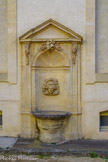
{"x":28,"y":36}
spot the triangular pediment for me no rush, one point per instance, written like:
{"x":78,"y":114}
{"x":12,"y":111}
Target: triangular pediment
{"x":51,"y":29}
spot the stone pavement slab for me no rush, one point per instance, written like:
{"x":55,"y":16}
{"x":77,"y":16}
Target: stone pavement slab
{"x":75,"y":147}
{"x":7,"y":142}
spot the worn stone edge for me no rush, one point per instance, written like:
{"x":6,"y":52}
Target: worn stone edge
{"x":84,"y":153}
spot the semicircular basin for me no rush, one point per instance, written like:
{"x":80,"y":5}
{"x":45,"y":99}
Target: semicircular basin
{"x":51,"y":114}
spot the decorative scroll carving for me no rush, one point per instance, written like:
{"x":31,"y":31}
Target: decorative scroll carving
{"x":51,"y":87}
{"x":43,"y":47}
{"x":74,"y":52}
{"x":27,"y":52}
{"x":58,"y":47}
{"x":51,"y":45}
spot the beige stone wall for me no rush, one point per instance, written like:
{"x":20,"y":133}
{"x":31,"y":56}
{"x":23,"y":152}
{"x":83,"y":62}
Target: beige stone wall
{"x":9,"y":86}
{"x":78,"y":15}
{"x":95,"y":100}
{"x":3,"y":36}
{"x":31,"y":13}
{"x":70,"y":17}
{"x":11,"y":120}
{"x":94,"y":85}
{"x":101,"y":36}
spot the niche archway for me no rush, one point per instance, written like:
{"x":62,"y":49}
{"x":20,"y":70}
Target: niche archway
{"x":50,"y":59}
{"x":49,"y":65}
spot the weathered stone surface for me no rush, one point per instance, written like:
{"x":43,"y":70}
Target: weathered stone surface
{"x":9,"y":94}
{"x":51,"y":125}
{"x":7,"y":142}
{"x":101,"y":37}
{"x":83,"y":91}
{"x":51,"y":114}
{"x":32,"y":13}
{"x":3,"y":36}
{"x":49,"y":85}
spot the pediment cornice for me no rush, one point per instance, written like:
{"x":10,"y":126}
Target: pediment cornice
{"x":28,"y":36}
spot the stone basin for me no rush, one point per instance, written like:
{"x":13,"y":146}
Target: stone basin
{"x":51,"y":114}
{"x":51,"y":125}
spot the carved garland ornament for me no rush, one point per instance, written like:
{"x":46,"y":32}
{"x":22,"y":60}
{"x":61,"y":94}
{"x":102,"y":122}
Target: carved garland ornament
{"x":51,"y":87}
{"x":74,"y":52}
{"x":51,"y":45}
{"x":27,"y":52}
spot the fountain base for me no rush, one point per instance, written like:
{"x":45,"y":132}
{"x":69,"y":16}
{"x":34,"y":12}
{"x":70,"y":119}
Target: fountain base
{"x":51,"y":125}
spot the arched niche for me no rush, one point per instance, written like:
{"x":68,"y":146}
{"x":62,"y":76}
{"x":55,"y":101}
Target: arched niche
{"x":50,"y":65}
{"x":50,"y":59}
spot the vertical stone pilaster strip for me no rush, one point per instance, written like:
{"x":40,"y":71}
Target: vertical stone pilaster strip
{"x":90,"y":41}
{"x":12,"y":41}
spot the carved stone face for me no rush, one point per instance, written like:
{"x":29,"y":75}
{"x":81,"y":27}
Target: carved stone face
{"x":50,"y":87}
{"x":52,"y":46}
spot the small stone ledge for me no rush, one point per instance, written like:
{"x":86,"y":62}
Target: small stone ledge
{"x":101,"y":77}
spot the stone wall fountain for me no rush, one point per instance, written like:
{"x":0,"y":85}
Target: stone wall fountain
{"x":51,"y":83}
{"x":51,"y":125}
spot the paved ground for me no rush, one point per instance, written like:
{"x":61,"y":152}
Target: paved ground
{"x":75,"y":146}
{"x":24,"y":150}
{"x":7,"y":142}
{"x":23,"y":158}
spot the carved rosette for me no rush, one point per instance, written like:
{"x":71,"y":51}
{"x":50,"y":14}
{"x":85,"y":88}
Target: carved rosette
{"x":51,"y":45}
{"x":27,"y":52}
{"x":51,"y":87}
{"x":74,"y":52}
